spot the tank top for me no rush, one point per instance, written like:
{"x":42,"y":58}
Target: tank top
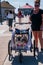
{"x":37,"y":18}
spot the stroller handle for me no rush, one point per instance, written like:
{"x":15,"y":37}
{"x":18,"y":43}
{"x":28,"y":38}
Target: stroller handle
{"x":24,"y":23}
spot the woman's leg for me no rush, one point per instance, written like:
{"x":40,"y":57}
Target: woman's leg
{"x":41,"y":39}
{"x":35,"y":33}
{"x":10,"y":24}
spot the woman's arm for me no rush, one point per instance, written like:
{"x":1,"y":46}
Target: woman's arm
{"x":42,"y":16}
{"x":30,"y":21}
{"x":41,"y":27}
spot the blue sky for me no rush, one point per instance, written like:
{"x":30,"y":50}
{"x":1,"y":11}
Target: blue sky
{"x":17,"y":3}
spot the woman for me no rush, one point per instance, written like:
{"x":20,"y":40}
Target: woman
{"x":41,"y":35}
{"x":10,"y":17}
{"x":36,"y":19}
{"x":19,"y":15}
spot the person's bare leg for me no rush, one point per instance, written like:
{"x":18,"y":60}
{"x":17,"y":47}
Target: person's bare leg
{"x":41,"y":39}
{"x":36,"y":38}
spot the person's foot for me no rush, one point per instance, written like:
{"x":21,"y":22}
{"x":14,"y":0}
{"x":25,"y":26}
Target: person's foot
{"x":37,"y":49}
{"x":41,"y":50}
{"x":11,"y":30}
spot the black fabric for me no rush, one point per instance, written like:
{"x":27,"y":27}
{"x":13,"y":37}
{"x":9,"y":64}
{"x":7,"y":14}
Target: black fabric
{"x":36,"y":20}
{"x":10,"y":22}
{"x":17,"y":31}
{"x":14,"y":16}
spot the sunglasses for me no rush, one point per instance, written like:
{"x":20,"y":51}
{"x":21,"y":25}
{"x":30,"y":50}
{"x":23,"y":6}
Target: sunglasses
{"x":36,"y":5}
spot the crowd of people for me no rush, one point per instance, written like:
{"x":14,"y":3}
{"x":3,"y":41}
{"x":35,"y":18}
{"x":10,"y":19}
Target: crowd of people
{"x":12,"y":15}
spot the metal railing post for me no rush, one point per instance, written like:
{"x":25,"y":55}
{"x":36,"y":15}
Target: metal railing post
{"x":0,"y":13}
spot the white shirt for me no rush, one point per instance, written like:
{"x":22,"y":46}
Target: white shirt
{"x":10,"y":16}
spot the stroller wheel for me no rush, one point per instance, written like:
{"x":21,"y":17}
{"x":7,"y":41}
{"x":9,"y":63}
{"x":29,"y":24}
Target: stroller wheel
{"x":10,"y":57}
{"x":31,"y":47}
{"x":9,"y":49}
